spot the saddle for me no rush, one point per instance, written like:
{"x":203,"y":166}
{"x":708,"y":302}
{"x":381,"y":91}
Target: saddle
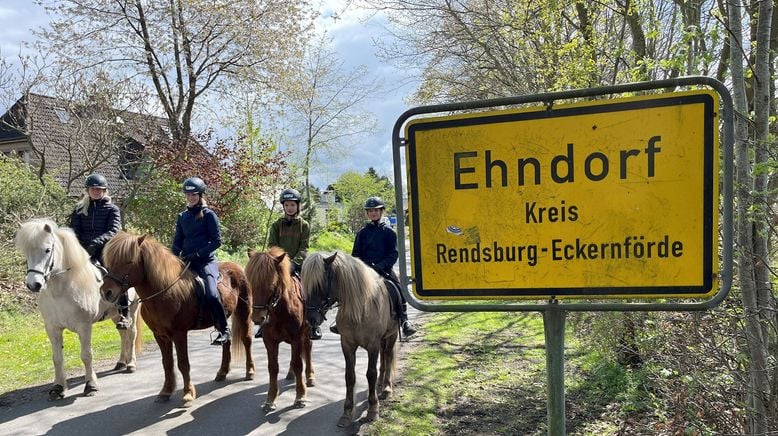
{"x":394,"y":297}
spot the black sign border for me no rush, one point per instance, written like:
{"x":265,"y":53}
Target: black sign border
{"x":669,"y":100}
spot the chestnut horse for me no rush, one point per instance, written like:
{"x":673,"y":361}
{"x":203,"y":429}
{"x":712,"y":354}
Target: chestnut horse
{"x":171,"y":306}
{"x":280,"y":312}
{"x":68,"y":288}
{"x":364,"y":320}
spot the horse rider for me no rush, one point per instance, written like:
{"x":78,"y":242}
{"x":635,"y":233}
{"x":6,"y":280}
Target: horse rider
{"x":196,"y":239}
{"x":95,"y":220}
{"x":291,"y":233}
{"x":376,"y":246}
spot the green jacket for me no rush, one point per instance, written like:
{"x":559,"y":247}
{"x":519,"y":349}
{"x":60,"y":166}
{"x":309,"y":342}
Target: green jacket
{"x":291,"y":235}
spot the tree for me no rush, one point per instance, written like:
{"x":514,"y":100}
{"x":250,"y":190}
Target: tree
{"x":326,"y":105}
{"x":354,"y":188}
{"x":184,"y":50}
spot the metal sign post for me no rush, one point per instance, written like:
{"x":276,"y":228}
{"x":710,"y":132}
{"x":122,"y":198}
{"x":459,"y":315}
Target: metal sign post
{"x":600,"y":199}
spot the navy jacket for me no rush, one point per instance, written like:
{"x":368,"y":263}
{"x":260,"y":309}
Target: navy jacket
{"x":193,"y":235}
{"x":96,"y":229}
{"x":376,"y":245}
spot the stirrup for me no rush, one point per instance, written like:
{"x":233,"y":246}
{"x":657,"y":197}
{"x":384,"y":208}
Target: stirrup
{"x":315,"y":333}
{"x":222,"y":338}
{"x":259,"y":333}
{"x":408,"y":329}
{"x":124,"y":323}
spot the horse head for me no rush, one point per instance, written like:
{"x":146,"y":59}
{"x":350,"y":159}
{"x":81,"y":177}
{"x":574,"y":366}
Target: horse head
{"x":317,"y":272}
{"x":46,"y":247}
{"x":268,"y":272}
{"x":123,"y":259}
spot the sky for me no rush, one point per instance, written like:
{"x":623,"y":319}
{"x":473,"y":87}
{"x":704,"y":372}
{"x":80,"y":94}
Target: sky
{"x":353,"y":39}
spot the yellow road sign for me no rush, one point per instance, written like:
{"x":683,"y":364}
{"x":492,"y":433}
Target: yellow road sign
{"x":611,"y":198}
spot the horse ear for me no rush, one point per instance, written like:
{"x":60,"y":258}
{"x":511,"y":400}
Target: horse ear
{"x":328,"y":260}
{"x":251,"y":252}
{"x":141,"y":239}
{"x":47,"y":228}
{"x":280,"y":257}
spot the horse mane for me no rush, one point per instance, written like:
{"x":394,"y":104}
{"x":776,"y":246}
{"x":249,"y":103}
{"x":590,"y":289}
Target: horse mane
{"x":263,"y":265}
{"x":73,"y":256}
{"x":355,"y":285}
{"x":161,"y":265}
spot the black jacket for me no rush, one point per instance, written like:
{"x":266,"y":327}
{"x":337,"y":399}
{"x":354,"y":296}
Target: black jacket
{"x":94,"y":230}
{"x":200,"y":236}
{"x":376,"y":245}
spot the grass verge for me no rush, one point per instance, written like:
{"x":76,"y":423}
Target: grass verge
{"x":25,"y":352}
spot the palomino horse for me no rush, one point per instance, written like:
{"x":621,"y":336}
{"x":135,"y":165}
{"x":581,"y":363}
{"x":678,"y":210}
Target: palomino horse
{"x":68,"y":288}
{"x":280,"y":312}
{"x":171,"y":307}
{"x":364,"y":320}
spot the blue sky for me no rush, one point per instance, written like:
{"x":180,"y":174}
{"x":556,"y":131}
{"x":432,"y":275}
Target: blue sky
{"x":354,"y":42}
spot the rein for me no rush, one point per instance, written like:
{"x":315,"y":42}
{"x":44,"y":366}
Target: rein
{"x":48,"y":269}
{"x":328,"y":303}
{"x":186,"y":267}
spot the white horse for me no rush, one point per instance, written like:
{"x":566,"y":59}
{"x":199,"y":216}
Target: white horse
{"x":68,"y":288}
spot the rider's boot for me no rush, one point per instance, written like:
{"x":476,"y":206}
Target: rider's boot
{"x":220,"y":324}
{"x":408,"y":329}
{"x":123,"y":305}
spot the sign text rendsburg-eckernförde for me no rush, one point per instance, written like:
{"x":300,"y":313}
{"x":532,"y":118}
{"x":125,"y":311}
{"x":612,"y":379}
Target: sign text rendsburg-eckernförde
{"x":601,"y":199}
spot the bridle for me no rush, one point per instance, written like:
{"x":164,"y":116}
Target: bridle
{"x":328,"y":302}
{"x":275,"y":297}
{"x":48,"y":269}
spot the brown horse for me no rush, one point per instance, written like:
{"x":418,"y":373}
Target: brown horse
{"x":280,"y":312}
{"x":364,"y":320}
{"x":170,"y":304}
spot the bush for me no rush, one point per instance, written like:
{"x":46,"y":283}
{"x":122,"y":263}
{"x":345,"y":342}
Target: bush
{"x":331,"y":241}
{"x":23,"y":196}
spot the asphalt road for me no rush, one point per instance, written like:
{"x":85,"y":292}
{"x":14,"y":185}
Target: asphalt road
{"x":125,"y":403}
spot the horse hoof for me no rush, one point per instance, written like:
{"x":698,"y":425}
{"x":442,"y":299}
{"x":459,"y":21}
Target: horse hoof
{"x":187,"y":404}
{"x":162,"y":399}
{"x":120,"y":366}
{"x":131,"y":369}
{"x":300,"y":404}
{"x":57,"y":393}
{"x":220,"y":377}
{"x":311,"y":383}
{"x":250,"y":376}
{"x":90,"y":389}
{"x":344,"y":421}
{"x":371,"y":416}
{"x":386,"y":393}
{"x":268,"y":407}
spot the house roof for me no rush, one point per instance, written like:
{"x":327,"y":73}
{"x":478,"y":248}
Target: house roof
{"x":73,"y":139}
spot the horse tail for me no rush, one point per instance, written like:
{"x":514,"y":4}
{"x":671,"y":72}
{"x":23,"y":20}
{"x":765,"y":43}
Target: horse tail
{"x":241,"y":319}
{"x":138,"y":332}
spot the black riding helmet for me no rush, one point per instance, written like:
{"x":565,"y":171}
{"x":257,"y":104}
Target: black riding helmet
{"x":194,"y":185}
{"x":375,"y":203}
{"x":96,"y":181}
{"x":290,"y":194}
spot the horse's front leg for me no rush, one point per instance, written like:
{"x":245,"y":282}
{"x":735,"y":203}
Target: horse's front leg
{"x":310,"y":374}
{"x":85,"y":338}
{"x":386,"y":374}
{"x":272,"y":371}
{"x":297,"y":365}
{"x":182,"y":355}
{"x":350,"y":354}
{"x":169,"y":385}
{"x":127,"y":358}
{"x":57,"y":392}
{"x":372,"y":377}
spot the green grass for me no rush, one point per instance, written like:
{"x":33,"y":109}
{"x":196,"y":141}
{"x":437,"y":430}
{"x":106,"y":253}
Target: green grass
{"x":25,"y":352}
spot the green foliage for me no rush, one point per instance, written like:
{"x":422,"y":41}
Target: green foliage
{"x":24,"y":196}
{"x":354,"y":188}
{"x":327,"y":240}
{"x":245,"y":226}
{"x":153,"y":211}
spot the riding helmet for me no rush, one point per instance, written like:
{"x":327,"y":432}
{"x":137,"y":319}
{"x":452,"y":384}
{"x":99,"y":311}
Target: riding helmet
{"x":290,"y":194}
{"x":194,"y":185}
{"x":96,"y":181}
{"x":375,"y":203}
